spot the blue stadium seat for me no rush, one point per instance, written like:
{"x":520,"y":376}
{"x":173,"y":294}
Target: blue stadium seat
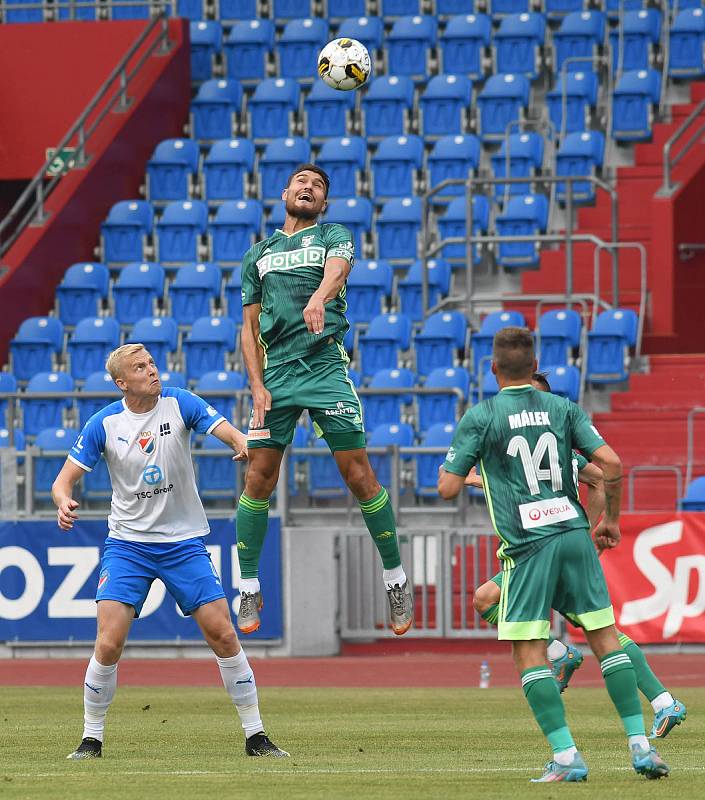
{"x":394,"y":166}
{"x":99,"y":381}
{"x":442,"y":408}
{"x":179,"y":230}
{"x":580,"y":89}
{"x":233,"y":295}
{"x":355,"y":377}
{"x":237,"y":9}
{"x":81,"y":290}
{"x":194,"y":291}
{"x":170,"y":170}
{"x":280,"y":159}
{"x":558,"y":8}
{"x":444,"y":105}
{"x":641,"y":32}
{"x":487,"y":387}
{"x":206,"y":345}
{"x":46,"y":468}
{"x":408,"y":45}
{"x":454,"y":223}
{"x":463,"y":43}
{"x":353,"y":212}
{"x":159,"y":335}
{"x":500,"y":8}
{"x":694,"y":499}
{"x":612,"y":7}
{"x":343,"y":159}
{"x":206,"y":43}
{"x":325,"y":481}
{"x":369,"y":283}
{"x":447,"y":7}
{"x":398,"y":228}
{"x":214,"y":109}
{"x":442,"y":336}
{"x":299,"y":45}
{"x":380,"y":346}
{"x":18,"y":442}
{"x":124,"y":232}
{"x":518,"y":44}
{"x":634,"y":97}
{"x":190,"y":9}
{"x":65,"y":11}
{"x":523,"y":216}
{"x":130,"y":12}
{"x":176,"y":380}
{"x":290,"y":9}
{"x":221,"y":380}
{"x":609,"y":342}
{"x":8,"y":383}
{"x":137,"y":290}
{"x":387,"y":105}
{"x":37,"y":340}
{"x":564,"y":381}
{"x":481,"y":342}
{"x":367,"y":30}
{"x":499,"y":103}
{"x":579,"y":154}
{"x":277,"y":215}
{"x":271,"y":107}
{"x":399,"y":8}
{"x":687,"y":44}
{"x":327,"y":112}
{"x":439,"y":435}
{"x":400,"y":434}
{"x":236,"y":226}
{"x":383,"y":409}
{"x":340,"y":9}
{"x":524,"y":151}
{"x":580,"y":35}
{"x":23,"y":14}
{"x":559,"y":334}
{"x":92,"y":341}
{"x":47,"y":412}
{"x":217,"y":475}
{"x":225,"y":169}
{"x":246,"y":49}
{"x":453,"y":157}
{"x":410,"y":288}
{"x":684,"y":4}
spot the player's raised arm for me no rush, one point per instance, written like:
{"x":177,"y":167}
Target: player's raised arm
{"x":607,"y":532}
{"x":62,"y":494}
{"x":591,"y":476}
{"x":253,"y":356}
{"x":335,"y":273}
{"x":230,"y":435}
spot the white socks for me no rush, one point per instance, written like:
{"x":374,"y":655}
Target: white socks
{"x":640,"y":740}
{"x":565,"y":757}
{"x":240,"y":684}
{"x":249,"y":585}
{"x":98,"y":692}
{"x":661,"y":701}
{"x":556,"y":650}
{"x":394,"y":577}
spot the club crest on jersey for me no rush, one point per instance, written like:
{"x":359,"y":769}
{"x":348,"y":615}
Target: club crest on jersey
{"x":147,"y":442}
{"x":306,"y":240}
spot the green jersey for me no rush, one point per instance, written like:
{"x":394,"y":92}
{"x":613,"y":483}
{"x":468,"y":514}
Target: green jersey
{"x":523,"y":440}
{"x":281,"y":273}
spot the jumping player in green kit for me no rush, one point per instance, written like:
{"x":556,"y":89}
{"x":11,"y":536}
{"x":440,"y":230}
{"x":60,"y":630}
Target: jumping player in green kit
{"x":523,"y":441}
{"x":293,"y":297}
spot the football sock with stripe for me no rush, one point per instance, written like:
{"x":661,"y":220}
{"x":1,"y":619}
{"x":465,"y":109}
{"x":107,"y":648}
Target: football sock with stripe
{"x":620,"y":679}
{"x":542,"y":694}
{"x":251,"y":528}
{"x":98,"y":692}
{"x":649,"y":685}
{"x":239,"y":681}
{"x":379,"y":518}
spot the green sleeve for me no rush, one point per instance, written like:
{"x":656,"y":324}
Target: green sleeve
{"x":585,"y":436}
{"x":339,"y":242}
{"x":580,"y":460}
{"x":464,"y":451}
{"x":251,"y":284}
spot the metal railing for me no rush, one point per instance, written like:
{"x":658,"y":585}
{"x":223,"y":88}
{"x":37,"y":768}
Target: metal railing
{"x":111,"y":97}
{"x":66,"y":10}
{"x":692,"y":414}
{"x":641,"y":469}
{"x":670,"y":162}
{"x":687,"y":250}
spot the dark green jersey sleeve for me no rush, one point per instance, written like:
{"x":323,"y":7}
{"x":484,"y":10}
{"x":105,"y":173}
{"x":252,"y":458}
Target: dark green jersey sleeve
{"x":464,"y":451}
{"x":580,"y":461}
{"x":585,"y":435}
{"x":339,"y":242}
{"x":251,"y":283}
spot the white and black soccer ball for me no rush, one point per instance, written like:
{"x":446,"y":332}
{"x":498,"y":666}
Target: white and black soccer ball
{"x":344,"y":64}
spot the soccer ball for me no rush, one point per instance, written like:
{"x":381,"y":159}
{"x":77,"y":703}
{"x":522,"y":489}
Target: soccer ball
{"x":344,"y":64}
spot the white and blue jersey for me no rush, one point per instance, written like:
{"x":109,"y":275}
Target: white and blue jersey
{"x":149,"y":459}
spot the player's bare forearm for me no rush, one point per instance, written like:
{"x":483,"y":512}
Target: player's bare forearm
{"x":591,"y":476}
{"x":449,"y":484}
{"x":608,"y":461}
{"x":252,"y":352}
{"x":230,"y":435}
{"x":62,"y":494}
{"x":335,"y":273}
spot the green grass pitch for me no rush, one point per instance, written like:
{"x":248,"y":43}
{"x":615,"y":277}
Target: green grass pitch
{"x":174,"y":743}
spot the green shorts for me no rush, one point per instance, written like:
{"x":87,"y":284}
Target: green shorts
{"x":320,"y":385}
{"x":565,"y":574}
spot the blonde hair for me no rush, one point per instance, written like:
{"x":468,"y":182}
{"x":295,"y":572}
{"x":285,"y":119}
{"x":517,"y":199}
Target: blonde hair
{"x":112,"y":365}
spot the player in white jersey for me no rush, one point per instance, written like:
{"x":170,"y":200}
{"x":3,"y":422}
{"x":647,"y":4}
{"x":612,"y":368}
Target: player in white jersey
{"x":155,"y":530}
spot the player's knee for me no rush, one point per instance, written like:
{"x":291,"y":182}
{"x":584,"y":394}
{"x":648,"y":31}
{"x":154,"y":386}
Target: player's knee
{"x":260,"y":482}
{"x":108,"y":649}
{"x":225,"y":642}
{"x":360,"y":479}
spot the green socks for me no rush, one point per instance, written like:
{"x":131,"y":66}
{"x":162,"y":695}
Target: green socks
{"x":251,"y":528}
{"x":541,"y":691}
{"x":618,"y":672}
{"x":379,"y":518}
{"x":647,"y":682}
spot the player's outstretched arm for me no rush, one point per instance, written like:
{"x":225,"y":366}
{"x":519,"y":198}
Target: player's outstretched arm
{"x":449,"y":484}
{"x":254,"y":356}
{"x":230,"y":435}
{"x":591,"y":476}
{"x":62,"y":494}
{"x":607,"y":532}
{"x":335,"y":273}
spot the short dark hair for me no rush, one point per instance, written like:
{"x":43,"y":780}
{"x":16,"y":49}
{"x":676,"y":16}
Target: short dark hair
{"x":310,"y":168}
{"x":542,"y":380}
{"x":513,"y":352}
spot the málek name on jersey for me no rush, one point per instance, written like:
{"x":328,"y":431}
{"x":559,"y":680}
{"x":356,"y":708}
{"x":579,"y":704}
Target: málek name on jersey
{"x":525,"y":419}
{"x":546,"y":512}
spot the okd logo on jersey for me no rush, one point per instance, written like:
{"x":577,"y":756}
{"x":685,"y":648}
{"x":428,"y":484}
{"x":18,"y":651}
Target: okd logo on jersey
{"x":292,"y":259}
{"x":147,"y":442}
{"x":546,"y":512}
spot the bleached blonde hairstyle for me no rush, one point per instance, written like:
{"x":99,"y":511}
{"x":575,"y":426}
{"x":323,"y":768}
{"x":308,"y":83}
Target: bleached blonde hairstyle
{"x":114,"y":362}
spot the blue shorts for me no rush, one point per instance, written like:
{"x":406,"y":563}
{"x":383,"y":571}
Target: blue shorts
{"x":128,"y":569}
